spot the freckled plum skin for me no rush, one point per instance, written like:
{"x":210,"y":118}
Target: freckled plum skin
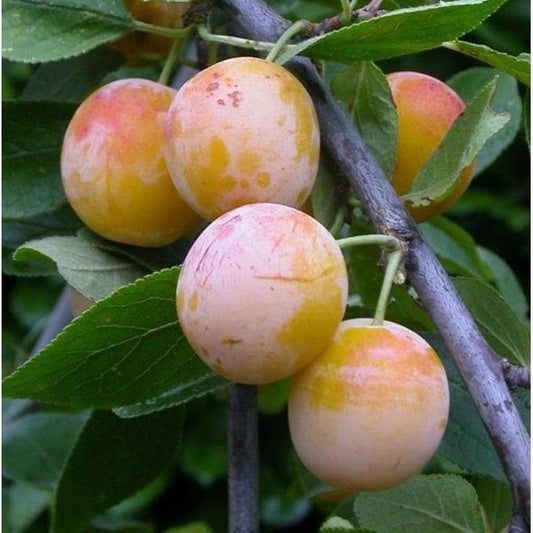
{"x":261,"y":292}
{"x":371,"y":410}
{"x":242,"y":131}
{"x":113,"y":170}
{"x":427,"y":108}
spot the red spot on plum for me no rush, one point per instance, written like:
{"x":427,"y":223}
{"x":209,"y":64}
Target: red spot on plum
{"x":236,"y":98}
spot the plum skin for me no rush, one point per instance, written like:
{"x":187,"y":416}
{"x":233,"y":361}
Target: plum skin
{"x":427,"y":108}
{"x":242,"y":131}
{"x":113,"y":170}
{"x":371,"y":410}
{"x":261,"y":292}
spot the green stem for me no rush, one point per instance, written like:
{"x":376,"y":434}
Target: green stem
{"x":170,"y":61}
{"x":174,"y":33}
{"x":395,"y":255}
{"x":250,"y":44}
{"x":288,"y":34}
{"x":339,"y":220}
{"x":394,"y":260}
{"x":358,"y":240}
{"x":346,"y":12}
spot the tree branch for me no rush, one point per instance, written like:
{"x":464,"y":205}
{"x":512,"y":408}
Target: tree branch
{"x":480,"y":367}
{"x":516,"y":376}
{"x":243,"y":460}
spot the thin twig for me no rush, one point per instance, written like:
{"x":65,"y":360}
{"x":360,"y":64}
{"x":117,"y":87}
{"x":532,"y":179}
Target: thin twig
{"x":516,"y":376}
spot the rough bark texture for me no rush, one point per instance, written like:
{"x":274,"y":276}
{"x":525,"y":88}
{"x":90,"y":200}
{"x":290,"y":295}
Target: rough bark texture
{"x":479,"y":366}
{"x":243,"y":460}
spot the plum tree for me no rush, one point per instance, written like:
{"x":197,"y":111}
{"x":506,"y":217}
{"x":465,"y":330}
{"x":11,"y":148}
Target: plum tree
{"x":426,"y":108}
{"x":242,"y":131}
{"x":261,"y":292}
{"x":157,"y":12}
{"x":113,"y":169}
{"x":371,"y":410}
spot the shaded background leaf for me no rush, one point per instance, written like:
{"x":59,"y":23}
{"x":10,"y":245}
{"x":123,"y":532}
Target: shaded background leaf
{"x":33,"y":454}
{"x":112,"y":459}
{"x":71,"y":80}
{"x":36,"y":131}
{"x":504,"y":330}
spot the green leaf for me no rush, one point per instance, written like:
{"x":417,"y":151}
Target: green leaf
{"x":504,"y":330}
{"x":90,"y":270}
{"x":36,"y":31}
{"x":518,"y":67}
{"x":466,"y":442}
{"x":272,"y":399}
{"x":464,"y":140}
{"x":71,"y":79}
{"x":102,"y":524}
{"x":150,"y":258}
{"x":16,"y":232}
{"x":436,"y":503}
{"x":35,"y":446}
{"x":190,"y":390}
{"x":126,"y":349}
{"x":365,"y":94}
{"x":32,"y":300}
{"x":21,"y":506}
{"x":506,"y":99}
{"x":400,"y":32}
{"x":506,"y":282}
{"x":112,"y":459}
{"x":527,"y":117}
{"x":194,"y":527}
{"x":326,"y":199}
{"x":204,"y":448}
{"x":455,"y":247}
{"x":31,"y":178}
{"x":497,"y":502}
{"x":335,"y":524}
{"x":314,"y":10}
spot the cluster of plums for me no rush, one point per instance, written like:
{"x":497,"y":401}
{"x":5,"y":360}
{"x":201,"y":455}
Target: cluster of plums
{"x":262,"y":292}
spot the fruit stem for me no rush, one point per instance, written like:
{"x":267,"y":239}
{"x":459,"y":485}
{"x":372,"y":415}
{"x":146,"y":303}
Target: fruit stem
{"x":378,"y":239}
{"x":346,"y":12}
{"x":339,"y":220}
{"x":243,"y":459}
{"x":174,"y":33}
{"x":290,"y":32}
{"x":170,"y":61}
{"x":250,"y":44}
{"x":394,"y":259}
